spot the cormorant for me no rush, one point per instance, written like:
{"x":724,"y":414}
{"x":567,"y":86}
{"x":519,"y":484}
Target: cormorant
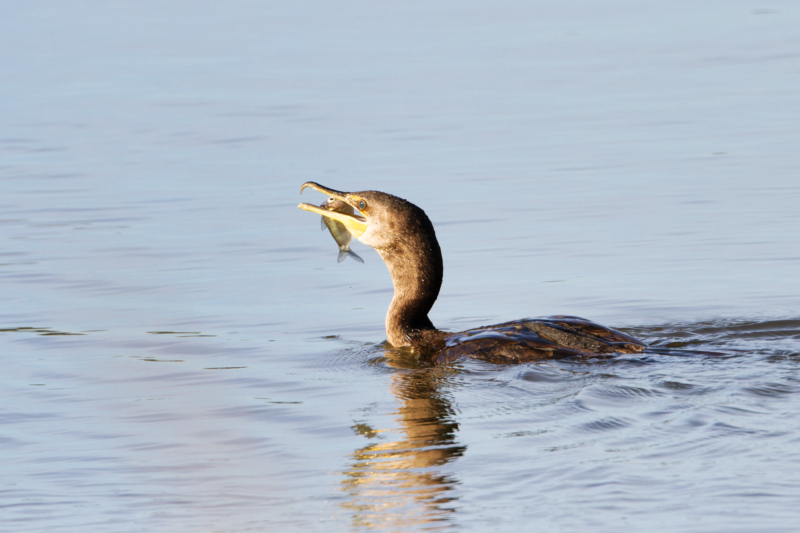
{"x":405,"y":239}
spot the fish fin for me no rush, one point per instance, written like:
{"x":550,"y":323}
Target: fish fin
{"x":351,"y":253}
{"x":355,"y":256}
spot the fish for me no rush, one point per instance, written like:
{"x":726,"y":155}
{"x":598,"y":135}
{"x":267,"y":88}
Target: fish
{"x":338,"y":230}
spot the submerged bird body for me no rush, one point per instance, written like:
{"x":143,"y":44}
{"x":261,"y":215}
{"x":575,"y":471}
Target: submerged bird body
{"x":338,"y":230}
{"x":405,"y":239}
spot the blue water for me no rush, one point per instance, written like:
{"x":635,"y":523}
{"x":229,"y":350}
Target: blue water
{"x":182,"y":351}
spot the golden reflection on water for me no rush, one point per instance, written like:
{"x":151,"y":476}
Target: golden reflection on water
{"x":397,"y":484}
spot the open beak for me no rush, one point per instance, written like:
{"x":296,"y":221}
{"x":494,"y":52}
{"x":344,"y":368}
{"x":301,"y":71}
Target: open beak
{"x":355,"y":224}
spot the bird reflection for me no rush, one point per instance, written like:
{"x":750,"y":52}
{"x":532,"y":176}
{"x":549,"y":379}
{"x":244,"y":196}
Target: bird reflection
{"x":394,"y":485}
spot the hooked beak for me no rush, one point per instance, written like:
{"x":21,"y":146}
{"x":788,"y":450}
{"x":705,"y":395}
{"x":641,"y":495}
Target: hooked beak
{"x":355,"y":224}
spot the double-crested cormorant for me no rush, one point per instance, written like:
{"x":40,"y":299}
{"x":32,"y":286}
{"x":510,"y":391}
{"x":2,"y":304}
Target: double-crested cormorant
{"x":404,"y":237}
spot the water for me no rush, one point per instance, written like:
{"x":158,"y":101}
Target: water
{"x":182,"y":352}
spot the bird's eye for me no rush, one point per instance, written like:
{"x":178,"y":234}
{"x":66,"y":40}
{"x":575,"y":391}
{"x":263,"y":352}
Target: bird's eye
{"x":362,"y":205}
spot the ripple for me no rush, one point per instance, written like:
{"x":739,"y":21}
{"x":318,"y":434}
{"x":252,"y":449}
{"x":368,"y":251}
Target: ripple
{"x":735,"y":336}
{"x":42,"y":331}
{"x":352,"y":359}
{"x":772,"y":390}
{"x":681,"y":388}
{"x":607,"y":424}
{"x":623,"y":392}
{"x":722,"y":428}
{"x":543,"y":375}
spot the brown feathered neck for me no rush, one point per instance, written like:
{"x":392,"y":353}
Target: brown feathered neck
{"x":404,"y":237}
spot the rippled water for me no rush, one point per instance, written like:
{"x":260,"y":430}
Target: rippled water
{"x":182,"y":352}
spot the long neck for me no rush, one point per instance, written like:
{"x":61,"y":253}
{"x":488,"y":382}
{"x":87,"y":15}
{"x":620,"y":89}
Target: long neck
{"x":415,"y":264}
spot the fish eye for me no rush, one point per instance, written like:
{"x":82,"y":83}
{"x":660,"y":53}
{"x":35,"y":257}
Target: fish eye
{"x":362,"y":205}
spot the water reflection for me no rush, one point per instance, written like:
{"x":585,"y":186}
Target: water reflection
{"x":397,"y":484}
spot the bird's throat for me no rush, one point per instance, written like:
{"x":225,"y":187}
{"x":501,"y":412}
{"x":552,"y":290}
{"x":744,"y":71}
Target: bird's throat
{"x":417,"y":278}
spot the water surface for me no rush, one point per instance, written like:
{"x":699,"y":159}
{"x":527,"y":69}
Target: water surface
{"x":182,"y":351}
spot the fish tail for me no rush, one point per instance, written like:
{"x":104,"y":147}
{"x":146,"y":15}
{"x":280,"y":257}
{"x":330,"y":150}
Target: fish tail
{"x":344,"y":252}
